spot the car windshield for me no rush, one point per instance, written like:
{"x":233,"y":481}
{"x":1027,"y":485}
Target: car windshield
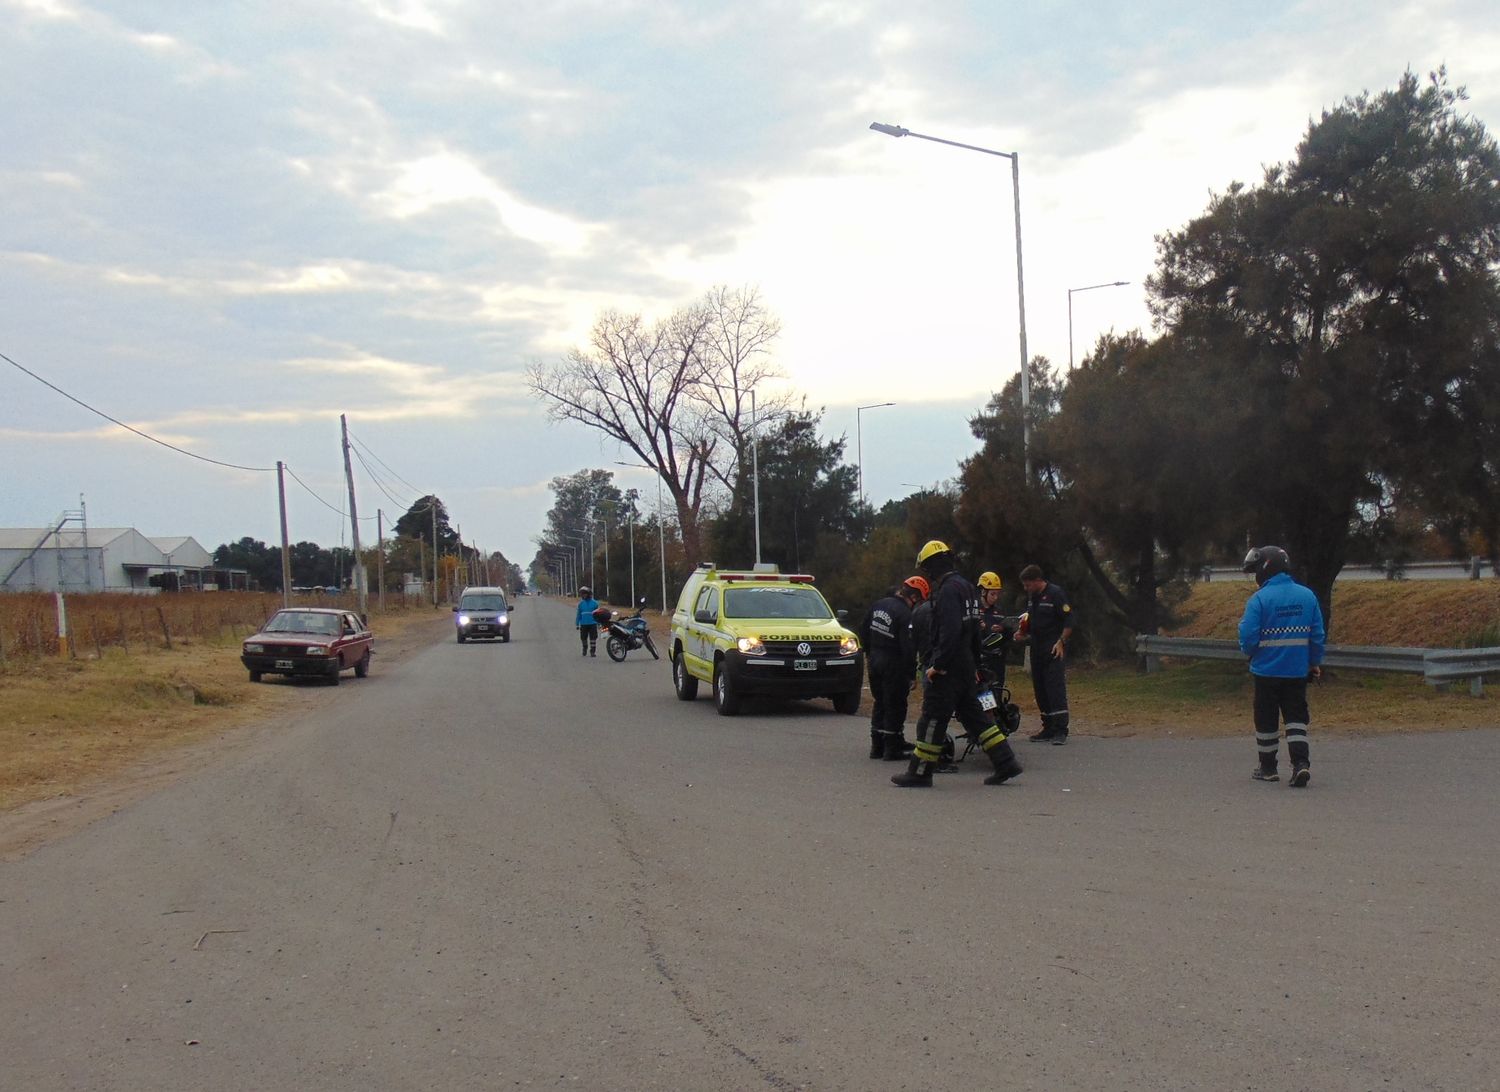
{"x":799,"y":602}
{"x":303,"y":621}
{"x":482,"y":602}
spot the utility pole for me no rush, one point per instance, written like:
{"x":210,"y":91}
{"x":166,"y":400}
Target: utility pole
{"x":286,"y":556}
{"x":359,"y":565}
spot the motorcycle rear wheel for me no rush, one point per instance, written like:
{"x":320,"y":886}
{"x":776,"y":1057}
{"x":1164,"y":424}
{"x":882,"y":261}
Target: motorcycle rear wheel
{"x":615,"y":648}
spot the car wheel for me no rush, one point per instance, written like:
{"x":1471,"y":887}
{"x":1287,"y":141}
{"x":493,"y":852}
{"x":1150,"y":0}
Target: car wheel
{"x":461,"y":638}
{"x":255,"y":676}
{"x":362,"y":668}
{"x":333,"y":678}
{"x":726,"y":701}
{"x":848,"y":703}
{"x":685,"y":685}
{"x":505,"y":636}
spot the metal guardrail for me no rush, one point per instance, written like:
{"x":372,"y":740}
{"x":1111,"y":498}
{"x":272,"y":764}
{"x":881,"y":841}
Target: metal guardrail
{"x":1437,"y":666}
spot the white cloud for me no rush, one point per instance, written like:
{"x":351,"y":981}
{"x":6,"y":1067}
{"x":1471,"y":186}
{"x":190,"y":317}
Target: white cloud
{"x":446,"y":178}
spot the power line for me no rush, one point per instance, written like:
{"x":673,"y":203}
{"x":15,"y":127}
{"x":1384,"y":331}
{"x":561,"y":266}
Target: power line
{"x":320,"y":500}
{"x":360,"y":443}
{"x":130,"y":428}
{"x":374,"y":477}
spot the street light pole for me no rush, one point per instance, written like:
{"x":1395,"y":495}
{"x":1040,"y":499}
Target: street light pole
{"x":1086,"y":288}
{"x":859,"y":441}
{"x":1015,"y":180}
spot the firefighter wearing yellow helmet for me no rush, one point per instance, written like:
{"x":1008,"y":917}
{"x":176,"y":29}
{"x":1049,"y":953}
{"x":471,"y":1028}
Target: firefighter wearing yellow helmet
{"x":953,"y":675}
{"x":996,"y":635}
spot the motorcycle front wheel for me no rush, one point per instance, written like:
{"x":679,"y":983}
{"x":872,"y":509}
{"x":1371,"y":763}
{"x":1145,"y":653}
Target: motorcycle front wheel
{"x":615,"y":648}
{"x":651,"y":648}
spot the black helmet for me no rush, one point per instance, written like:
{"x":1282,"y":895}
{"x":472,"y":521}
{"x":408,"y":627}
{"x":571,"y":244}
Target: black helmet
{"x":1265,"y":562}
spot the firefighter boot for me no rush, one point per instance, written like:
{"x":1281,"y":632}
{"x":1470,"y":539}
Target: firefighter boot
{"x":896,"y":748}
{"x":1002,"y":757}
{"x":877,"y":743}
{"x":919,"y":774}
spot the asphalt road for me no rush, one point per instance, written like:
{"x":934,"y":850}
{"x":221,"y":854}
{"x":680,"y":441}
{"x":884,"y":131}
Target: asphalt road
{"x":498,"y":866}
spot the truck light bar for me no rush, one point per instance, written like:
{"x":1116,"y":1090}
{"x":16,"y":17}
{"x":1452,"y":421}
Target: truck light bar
{"x":794,"y":578}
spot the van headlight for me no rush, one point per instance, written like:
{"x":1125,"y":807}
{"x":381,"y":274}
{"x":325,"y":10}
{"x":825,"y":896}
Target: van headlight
{"x":254,"y":646}
{"x":463,"y":619}
{"x":849,"y":646}
{"x":317,"y":650}
{"x":752,"y":646}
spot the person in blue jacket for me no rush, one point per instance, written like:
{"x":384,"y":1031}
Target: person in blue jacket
{"x":1282,"y":633}
{"x":588,"y":625}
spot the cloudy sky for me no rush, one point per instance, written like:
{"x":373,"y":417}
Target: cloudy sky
{"x":227,"y":223}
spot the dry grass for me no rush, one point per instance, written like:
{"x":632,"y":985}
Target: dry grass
{"x":1208,"y":698}
{"x":1411,"y":613}
{"x":65,"y":723}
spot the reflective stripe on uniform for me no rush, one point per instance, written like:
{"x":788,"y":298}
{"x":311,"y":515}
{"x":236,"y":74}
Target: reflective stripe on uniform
{"x":992,"y":736}
{"x":1285,"y":642}
{"x":927,"y":752}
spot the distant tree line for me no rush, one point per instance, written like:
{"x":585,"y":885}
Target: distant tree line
{"x":408,"y":550}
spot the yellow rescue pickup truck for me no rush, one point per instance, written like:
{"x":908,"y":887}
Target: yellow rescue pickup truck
{"x":762,"y":633}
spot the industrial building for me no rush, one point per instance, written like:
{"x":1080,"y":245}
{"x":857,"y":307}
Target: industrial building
{"x":73,"y":557}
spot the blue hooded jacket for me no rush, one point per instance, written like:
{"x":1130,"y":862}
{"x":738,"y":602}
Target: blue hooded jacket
{"x":1282,"y":630}
{"x":586,"y":609}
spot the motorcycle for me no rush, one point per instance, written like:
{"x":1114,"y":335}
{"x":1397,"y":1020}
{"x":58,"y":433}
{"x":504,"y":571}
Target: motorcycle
{"x":629,"y":633}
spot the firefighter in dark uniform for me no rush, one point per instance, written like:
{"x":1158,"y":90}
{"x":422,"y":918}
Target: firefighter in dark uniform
{"x":891,"y":657}
{"x":996,"y":631}
{"x":952,"y":676}
{"x":1049,"y":620}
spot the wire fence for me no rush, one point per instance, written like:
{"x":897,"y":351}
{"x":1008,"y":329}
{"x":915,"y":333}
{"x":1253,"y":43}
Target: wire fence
{"x":100,"y":622}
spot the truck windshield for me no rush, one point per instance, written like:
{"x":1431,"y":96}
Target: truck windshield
{"x":798,"y":602}
{"x":482,"y":602}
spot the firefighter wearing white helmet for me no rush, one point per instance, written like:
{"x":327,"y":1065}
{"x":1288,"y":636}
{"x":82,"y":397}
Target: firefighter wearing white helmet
{"x":952,"y":676}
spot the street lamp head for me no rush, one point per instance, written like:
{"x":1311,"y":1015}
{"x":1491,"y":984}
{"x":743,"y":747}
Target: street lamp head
{"x":889,"y":130}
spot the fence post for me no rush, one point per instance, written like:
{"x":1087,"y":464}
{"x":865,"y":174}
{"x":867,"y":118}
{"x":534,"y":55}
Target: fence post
{"x":62,"y":626}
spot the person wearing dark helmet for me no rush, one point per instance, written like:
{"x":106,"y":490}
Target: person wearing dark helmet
{"x":1049,"y":620}
{"x":886,"y":637}
{"x":587,"y":622}
{"x":952,"y":676}
{"x":1282,"y":633}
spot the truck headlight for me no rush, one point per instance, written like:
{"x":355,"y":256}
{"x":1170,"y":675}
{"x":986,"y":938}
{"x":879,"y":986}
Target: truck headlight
{"x":254,"y":646}
{"x":463,"y":619}
{"x":848,"y":646}
{"x":317,"y":650}
{"x":752,"y":646}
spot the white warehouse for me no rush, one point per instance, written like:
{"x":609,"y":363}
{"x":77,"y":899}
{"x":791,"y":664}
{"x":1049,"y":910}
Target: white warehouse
{"x":96,"y":559}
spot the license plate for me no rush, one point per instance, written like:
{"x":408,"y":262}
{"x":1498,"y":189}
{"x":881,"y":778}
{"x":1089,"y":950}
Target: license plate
{"x":481,"y":629}
{"x":804,"y":665}
{"x":285,"y":665}
{"x":987,"y":700}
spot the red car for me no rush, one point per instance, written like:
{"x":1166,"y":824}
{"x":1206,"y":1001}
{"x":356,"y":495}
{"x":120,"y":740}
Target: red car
{"x":317,"y":641}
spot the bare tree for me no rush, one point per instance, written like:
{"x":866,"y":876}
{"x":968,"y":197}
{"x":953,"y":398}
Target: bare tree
{"x":675,"y":393}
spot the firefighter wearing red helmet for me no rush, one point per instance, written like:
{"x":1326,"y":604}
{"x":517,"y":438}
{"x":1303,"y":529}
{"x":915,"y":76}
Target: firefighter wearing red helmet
{"x":953,"y":675}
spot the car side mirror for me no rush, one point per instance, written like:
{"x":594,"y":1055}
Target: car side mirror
{"x":841,"y":615}
{"x":703,"y":616}
{"x":455,"y":610}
